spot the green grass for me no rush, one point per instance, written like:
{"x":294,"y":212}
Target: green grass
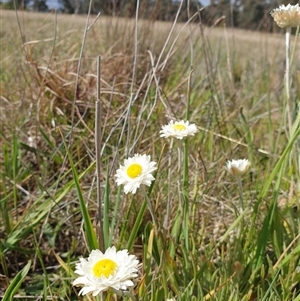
{"x":228,"y":82}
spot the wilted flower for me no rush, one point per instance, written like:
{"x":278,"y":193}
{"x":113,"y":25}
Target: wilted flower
{"x":178,"y":129}
{"x":136,"y":171}
{"x":103,"y":271}
{"x":237,"y":167}
{"x":287,"y":16}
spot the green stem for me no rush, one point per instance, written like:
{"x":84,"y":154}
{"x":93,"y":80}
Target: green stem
{"x":141,"y":213}
{"x":296,"y":113}
{"x":185,"y":188}
{"x":240,"y":189}
{"x":169,"y":203}
{"x":150,"y":207}
{"x":114,"y":217}
{"x":138,"y":220}
{"x":185,"y":191}
{"x":136,"y":226}
{"x":287,"y":76}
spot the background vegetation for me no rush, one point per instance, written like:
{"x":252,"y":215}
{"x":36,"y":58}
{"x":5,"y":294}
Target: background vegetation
{"x":229,"y":82}
{"x":247,"y":14}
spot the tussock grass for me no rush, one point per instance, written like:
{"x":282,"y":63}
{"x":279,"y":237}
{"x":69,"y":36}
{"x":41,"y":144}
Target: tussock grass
{"x":228,"y":82}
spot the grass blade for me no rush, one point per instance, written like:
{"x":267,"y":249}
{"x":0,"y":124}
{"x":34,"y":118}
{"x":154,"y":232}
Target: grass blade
{"x":88,"y":227}
{"x":16,"y":282}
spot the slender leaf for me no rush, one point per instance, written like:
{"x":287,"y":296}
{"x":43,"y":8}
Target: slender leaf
{"x":16,"y":282}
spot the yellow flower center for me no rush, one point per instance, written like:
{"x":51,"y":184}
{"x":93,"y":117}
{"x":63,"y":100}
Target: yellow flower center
{"x":179,"y":127}
{"x":104,"y":267}
{"x":134,"y":170}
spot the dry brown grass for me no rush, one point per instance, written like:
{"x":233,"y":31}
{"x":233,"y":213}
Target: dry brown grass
{"x":237,"y":68}
{"x":232,"y":69}
{"x":38,"y":78}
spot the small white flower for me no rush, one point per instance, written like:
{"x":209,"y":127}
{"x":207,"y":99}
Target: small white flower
{"x":136,"y":171}
{"x":103,"y":271}
{"x":178,"y":129}
{"x":237,"y":167}
{"x":287,"y":16}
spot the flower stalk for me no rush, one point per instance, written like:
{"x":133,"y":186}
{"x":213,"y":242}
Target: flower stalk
{"x":287,"y":76}
{"x":240,"y":190}
{"x":169,"y":201}
{"x":238,"y":168}
{"x":185,"y":193}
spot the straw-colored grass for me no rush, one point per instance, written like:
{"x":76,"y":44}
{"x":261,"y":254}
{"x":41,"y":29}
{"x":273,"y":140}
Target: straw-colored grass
{"x":228,"y":82}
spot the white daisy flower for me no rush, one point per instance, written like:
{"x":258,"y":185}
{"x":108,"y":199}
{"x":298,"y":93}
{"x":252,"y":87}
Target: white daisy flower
{"x":178,"y":129}
{"x":135,"y":171}
{"x":287,"y":16}
{"x":237,"y":167}
{"x":101,"y":271}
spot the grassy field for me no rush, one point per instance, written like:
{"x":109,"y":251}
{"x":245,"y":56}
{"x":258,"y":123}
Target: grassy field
{"x":187,"y":230}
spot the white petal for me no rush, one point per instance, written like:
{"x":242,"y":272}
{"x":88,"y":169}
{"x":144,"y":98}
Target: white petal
{"x":127,"y":266}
